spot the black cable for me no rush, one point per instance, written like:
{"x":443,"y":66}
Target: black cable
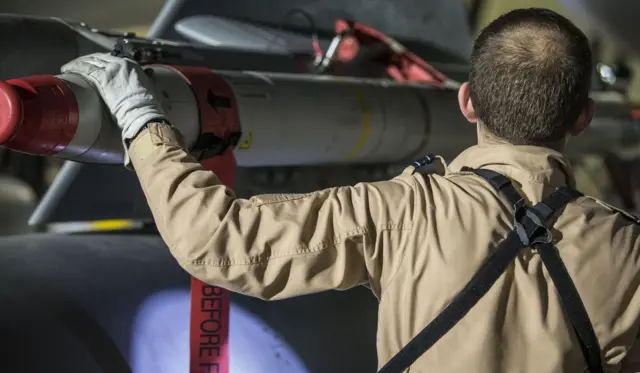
{"x":312,"y":24}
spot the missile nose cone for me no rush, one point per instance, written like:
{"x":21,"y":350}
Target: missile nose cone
{"x":10,"y":112}
{"x":38,"y":115}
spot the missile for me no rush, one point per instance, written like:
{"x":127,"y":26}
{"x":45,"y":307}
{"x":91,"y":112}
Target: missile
{"x":271,"y":119}
{"x":285,"y":119}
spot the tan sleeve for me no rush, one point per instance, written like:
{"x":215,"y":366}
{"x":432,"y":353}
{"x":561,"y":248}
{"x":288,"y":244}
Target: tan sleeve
{"x":271,"y":246}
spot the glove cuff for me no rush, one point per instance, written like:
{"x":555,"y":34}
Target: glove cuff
{"x":130,"y":132}
{"x":127,"y":141}
{"x":137,"y":125}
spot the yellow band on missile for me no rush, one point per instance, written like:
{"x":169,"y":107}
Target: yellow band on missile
{"x":366,"y":123}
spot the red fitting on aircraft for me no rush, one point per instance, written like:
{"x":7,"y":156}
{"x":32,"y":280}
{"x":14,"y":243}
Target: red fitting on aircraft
{"x":401,"y":64}
{"x":38,"y":114}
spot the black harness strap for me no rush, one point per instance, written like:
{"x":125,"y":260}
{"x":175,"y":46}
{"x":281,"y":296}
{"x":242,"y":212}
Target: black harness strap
{"x":529,"y":230}
{"x":550,"y":257}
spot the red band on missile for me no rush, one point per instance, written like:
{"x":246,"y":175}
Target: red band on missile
{"x":48,"y":115}
{"x":216,"y":100}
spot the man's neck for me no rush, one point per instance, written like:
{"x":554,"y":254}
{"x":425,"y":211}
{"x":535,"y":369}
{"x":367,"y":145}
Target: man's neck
{"x":488,"y":139}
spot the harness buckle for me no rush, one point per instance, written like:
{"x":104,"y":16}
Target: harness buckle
{"x":426,"y":160}
{"x":529,"y":224}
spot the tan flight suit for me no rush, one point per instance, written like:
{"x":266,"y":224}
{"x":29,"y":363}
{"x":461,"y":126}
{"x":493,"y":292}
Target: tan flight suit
{"x":417,"y":240}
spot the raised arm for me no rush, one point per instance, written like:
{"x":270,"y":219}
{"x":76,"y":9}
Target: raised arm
{"x":271,"y":246}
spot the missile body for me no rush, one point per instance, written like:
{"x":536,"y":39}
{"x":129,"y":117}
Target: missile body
{"x":285,"y":119}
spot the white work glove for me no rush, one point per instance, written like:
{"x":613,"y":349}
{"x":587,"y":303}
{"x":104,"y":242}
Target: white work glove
{"x":125,"y":88}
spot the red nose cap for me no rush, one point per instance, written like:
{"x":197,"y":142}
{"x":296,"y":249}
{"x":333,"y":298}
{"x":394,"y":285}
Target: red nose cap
{"x":38,"y":114}
{"x":10,"y":112}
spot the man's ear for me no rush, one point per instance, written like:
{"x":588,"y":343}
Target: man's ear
{"x":584,"y":119}
{"x":464,"y":101}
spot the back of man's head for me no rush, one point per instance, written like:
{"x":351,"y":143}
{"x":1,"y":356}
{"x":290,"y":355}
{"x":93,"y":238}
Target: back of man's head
{"x":530,"y":76}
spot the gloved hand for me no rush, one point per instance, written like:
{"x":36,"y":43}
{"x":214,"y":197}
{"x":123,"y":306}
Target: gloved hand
{"x":125,"y":88}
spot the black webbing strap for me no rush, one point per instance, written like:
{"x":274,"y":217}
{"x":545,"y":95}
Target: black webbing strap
{"x":573,"y":306}
{"x":550,"y":257}
{"x":529,"y":230}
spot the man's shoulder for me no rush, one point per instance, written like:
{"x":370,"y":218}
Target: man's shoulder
{"x":598,"y":206}
{"x":588,"y":204}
